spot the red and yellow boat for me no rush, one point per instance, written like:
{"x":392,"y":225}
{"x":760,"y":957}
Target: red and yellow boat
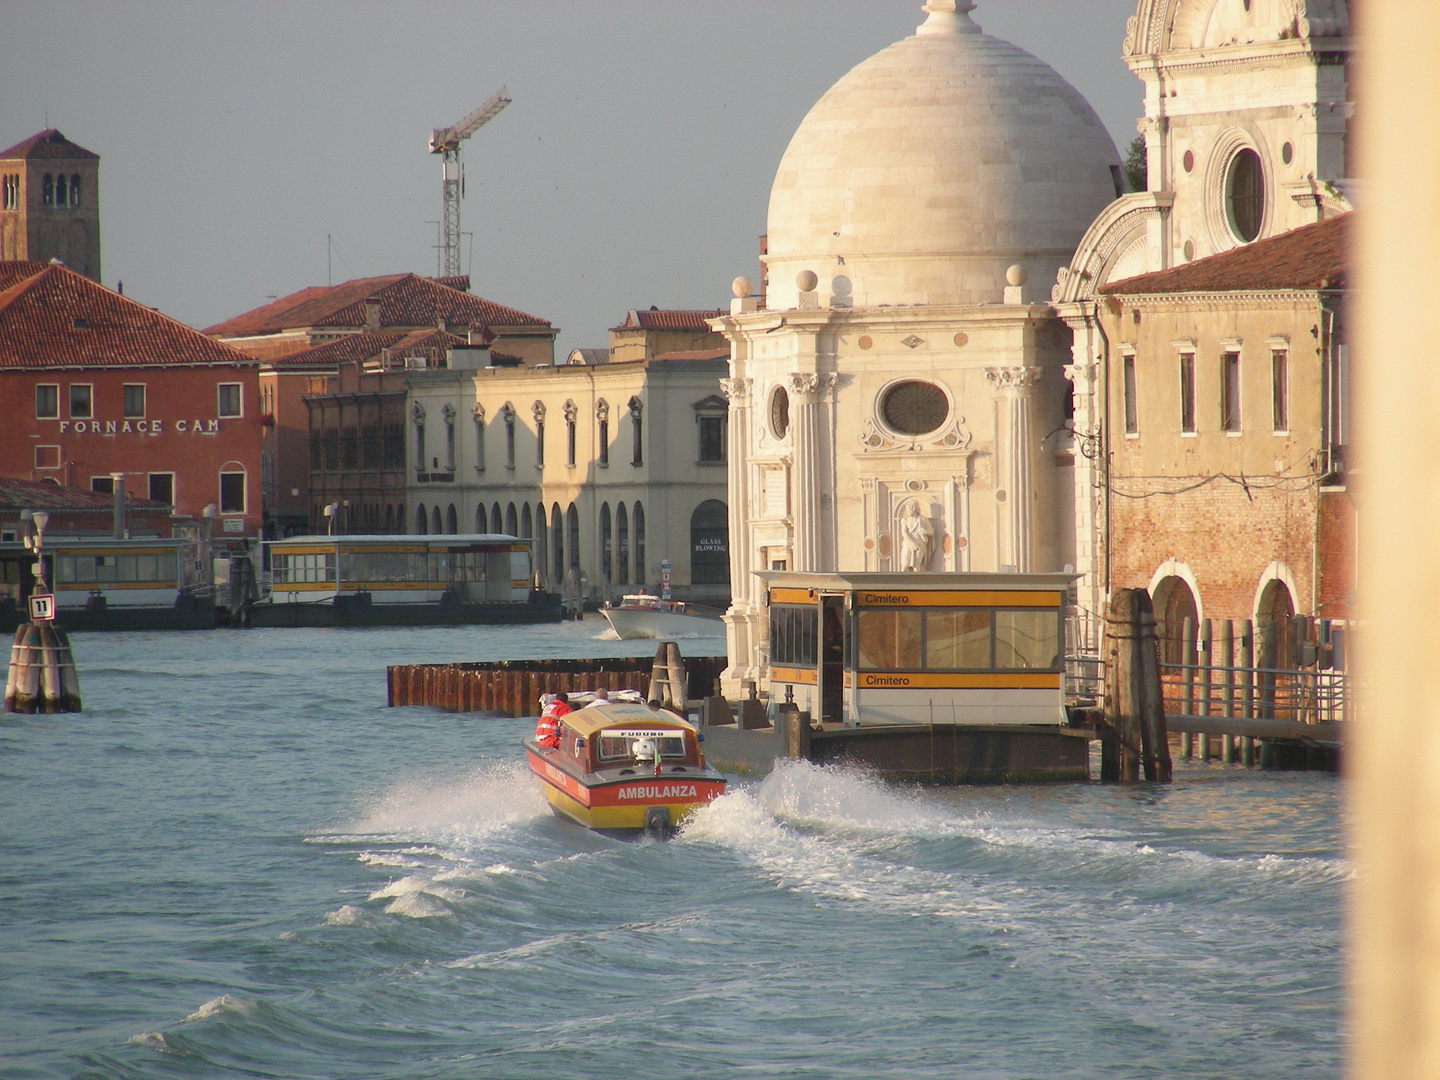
{"x":625,"y":767}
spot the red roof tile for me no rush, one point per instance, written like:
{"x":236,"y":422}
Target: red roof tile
{"x":28,"y":495}
{"x":1310,"y":257}
{"x":57,"y":318}
{"x":46,"y":144}
{"x":673,"y":319}
{"x":358,"y":348}
{"x":406,"y":300}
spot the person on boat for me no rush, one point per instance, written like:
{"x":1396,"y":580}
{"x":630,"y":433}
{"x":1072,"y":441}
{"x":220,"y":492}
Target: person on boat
{"x":547,"y":728}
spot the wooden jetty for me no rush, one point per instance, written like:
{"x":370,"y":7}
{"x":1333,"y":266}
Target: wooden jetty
{"x":513,"y":687}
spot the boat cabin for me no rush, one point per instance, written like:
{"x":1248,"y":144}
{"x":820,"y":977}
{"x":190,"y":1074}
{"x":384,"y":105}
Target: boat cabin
{"x":627,"y":736}
{"x":909,"y":648}
{"x":484,"y":568}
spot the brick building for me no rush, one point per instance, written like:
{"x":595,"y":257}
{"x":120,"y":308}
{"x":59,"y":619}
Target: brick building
{"x":93,"y":384}
{"x":50,"y":203}
{"x":1226,"y":492}
{"x":290,"y":337}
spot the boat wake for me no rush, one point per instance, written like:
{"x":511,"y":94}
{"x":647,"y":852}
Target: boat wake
{"x":463,"y":811}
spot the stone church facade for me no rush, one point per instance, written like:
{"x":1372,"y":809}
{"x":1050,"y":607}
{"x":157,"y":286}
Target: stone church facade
{"x":901,"y":396}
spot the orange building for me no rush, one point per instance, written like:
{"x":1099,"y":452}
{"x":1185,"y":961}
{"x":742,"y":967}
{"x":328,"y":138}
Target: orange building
{"x":93,"y":385}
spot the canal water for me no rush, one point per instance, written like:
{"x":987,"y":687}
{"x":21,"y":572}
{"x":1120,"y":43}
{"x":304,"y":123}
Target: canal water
{"x":238,"y":862}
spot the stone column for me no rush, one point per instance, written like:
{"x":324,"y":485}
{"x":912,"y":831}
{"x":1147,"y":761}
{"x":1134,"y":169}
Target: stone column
{"x":740,"y":639}
{"x":1015,"y":439}
{"x":1090,"y":540}
{"x":807,"y":470}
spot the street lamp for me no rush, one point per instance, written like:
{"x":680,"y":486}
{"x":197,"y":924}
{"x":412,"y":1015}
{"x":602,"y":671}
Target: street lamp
{"x":331,"y":511}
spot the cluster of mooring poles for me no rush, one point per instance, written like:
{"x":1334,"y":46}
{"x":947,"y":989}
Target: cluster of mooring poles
{"x":667,"y":677}
{"x":42,"y":669}
{"x":1137,"y":739}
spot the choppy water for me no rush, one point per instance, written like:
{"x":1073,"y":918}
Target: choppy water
{"x":238,"y":861}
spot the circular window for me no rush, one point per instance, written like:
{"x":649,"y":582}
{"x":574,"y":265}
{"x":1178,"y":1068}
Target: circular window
{"x":1245,"y":195}
{"x":1287,"y":153}
{"x":914,"y":408}
{"x":865,"y":341}
{"x":1189,"y":250}
{"x":962,"y":339}
{"x":1188,"y":160}
{"x":779,"y":412}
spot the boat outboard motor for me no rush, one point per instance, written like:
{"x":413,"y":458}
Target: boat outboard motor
{"x":657,"y":823}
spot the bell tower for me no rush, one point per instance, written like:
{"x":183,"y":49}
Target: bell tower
{"x":50,"y":203}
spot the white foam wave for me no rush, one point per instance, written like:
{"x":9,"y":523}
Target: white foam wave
{"x":415,"y":886}
{"x":827,"y":866}
{"x":480,"y":804}
{"x":346,"y":915}
{"x":418,"y":905}
{"x":513,"y":955}
{"x":225,"y":1003}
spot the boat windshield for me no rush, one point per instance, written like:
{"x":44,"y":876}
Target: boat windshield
{"x":616,"y":745}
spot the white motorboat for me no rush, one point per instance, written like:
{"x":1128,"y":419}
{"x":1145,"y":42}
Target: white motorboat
{"x":644,"y":616}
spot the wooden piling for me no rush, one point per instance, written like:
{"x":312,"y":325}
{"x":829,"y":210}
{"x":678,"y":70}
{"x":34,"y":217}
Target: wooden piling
{"x":42,"y":676}
{"x":1247,"y":688}
{"x":1206,"y":660}
{"x":1134,"y":707}
{"x":1187,"y":658}
{"x":675,"y":676}
{"x":1227,"y":662}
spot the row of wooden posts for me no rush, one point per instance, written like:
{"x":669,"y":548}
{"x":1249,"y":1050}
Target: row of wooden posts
{"x":1218,"y":678}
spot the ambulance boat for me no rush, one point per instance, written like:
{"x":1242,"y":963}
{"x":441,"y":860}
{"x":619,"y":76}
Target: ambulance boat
{"x":624,"y":767}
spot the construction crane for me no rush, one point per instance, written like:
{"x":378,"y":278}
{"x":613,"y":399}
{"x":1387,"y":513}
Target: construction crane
{"x":446,"y":142}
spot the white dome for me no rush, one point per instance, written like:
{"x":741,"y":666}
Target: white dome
{"x":933,"y":167}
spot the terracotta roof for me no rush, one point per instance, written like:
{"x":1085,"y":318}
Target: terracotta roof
{"x":1310,"y":257}
{"x":406,"y":300}
{"x":673,"y":319}
{"x":46,"y":144}
{"x":27,"y":495}
{"x":58,"y":318}
{"x":358,"y":348}
{"x":11,"y":272}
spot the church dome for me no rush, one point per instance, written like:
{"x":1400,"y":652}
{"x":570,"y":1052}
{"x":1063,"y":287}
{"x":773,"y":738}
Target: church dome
{"x":932,"y":167}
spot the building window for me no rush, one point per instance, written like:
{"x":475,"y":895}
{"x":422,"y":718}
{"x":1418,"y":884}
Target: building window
{"x":232,"y":493}
{"x":47,"y":457}
{"x":638,"y":523}
{"x":47,"y":401}
{"x":1187,"y":392}
{"x":229,"y":401}
{"x":602,"y":417}
{"x":75,"y":190}
{"x":607,"y":541}
{"x":622,"y":544}
{"x":779,"y":412}
{"x":81,"y":401}
{"x":11,"y":192}
{"x":1280,"y":389}
{"x":47,"y":190}
{"x":478,"y":412}
{"x":102,"y":485}
{"x":572,"y":536}
{"x":914,"y":408}
{"x":710,"y":544}
{"x":1132,"y":408}
{"x":162,"y":488}
{"x":417,"y":417}
{"x":134,"y":401}
{"x":637,"y":432}
{"x":570,"y":415}
{"x":712,"y":439}
{"x":1230,"y":392}
{"x":1245,"y":195}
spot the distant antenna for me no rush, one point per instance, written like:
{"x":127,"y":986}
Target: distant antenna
{"x":446,"y":142}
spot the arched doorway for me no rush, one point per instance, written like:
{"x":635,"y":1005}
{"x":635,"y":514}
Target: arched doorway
{"x":512,"y":525}
{"x":497,"y":522}
{"x":1174,"y":603}
{"x":638,"y":523}
{"x":1277,"y":607}
{"x":540,"y":554}
{"x":710,"y":544}
{"x":557,"y":542}
{"x":422,"y":520}
{"x":526,"y":523}
{"x":452,"y":520}
{"x":436,"y":523}
{"x":607,"y":541}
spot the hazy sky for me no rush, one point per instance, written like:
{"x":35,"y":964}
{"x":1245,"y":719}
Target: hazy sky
{"x":633,"y":167}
